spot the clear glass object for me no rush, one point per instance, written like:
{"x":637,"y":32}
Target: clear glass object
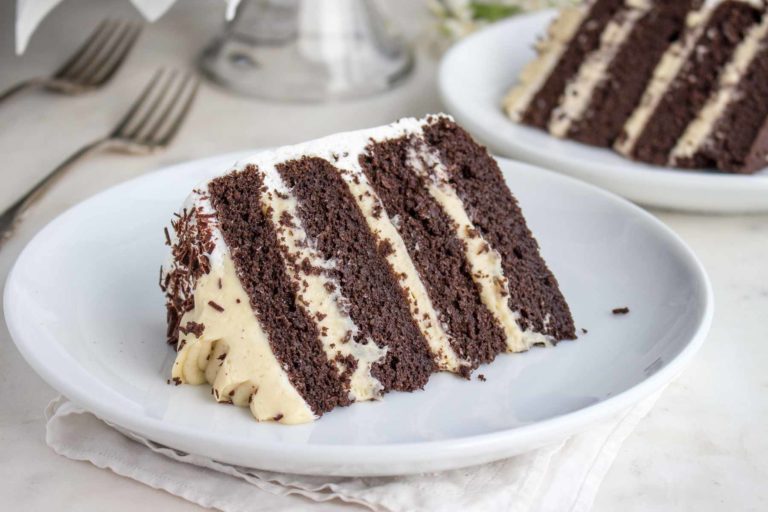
{"x":308,"y":50}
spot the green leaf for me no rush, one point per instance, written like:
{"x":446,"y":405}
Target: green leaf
{"x":492,"y":11}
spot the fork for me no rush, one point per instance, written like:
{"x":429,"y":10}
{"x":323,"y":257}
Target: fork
{"x":150,"y":124}
{"x":92,"y":65}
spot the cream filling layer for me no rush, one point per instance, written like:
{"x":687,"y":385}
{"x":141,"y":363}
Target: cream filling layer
{"x":318,"y":293}
{"x":419,"y":303}
{"x":233,"y":352}
{"x":700,"y":130}
{"x":666,"y":71}
{"x":485,"y":262}
{"x":592,"y":72}
{"x":536,"y":72}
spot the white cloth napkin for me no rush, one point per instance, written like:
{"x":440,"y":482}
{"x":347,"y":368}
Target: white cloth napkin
{"x":29,"y":14}
{"x":560,"y":478}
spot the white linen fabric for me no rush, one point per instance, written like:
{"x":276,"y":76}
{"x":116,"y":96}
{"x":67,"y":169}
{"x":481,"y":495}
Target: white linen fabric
{"x":564,"y":477}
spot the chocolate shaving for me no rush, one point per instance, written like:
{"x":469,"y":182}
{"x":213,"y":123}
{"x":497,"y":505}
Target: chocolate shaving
{"x":190,"y":254}
{"x":620,"y":311}
{"x":194,"y":328}
{"x":215,"y":306}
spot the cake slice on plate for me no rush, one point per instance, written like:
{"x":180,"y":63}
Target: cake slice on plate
{"x":593,"y":66}
{"x":318,"y":275}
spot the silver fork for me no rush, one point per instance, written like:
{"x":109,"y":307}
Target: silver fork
{"x":92,"y":65}
{"x":149,"y":125}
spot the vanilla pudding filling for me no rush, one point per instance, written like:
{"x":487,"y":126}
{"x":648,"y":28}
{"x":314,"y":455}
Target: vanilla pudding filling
{"x":578,"y":93}
{"x":318,"y":293}
{"x":666,"y":71}
{"x":699,"y":131}
{"x":536,"y":72}
{"x":484,"y":261}
{"x":233,"y":353}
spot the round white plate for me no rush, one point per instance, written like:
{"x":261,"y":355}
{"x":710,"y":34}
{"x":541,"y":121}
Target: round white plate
{"x":476,"y":74}
{"x":83,"y":306}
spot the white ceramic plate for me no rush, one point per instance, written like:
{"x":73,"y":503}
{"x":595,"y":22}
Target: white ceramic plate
{"x":83,"y":306}
{"x":474,"y":77}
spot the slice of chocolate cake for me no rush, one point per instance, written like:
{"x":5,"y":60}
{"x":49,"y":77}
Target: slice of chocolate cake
{"x":594,"y":65}
{"x":679,"y":108}
{"x":332,"y":272}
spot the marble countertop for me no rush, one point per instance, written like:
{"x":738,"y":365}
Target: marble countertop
{"x":703,"y":448}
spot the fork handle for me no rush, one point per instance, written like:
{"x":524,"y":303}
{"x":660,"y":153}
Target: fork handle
{"x":10,"y":218}
{"x":21,"y":86}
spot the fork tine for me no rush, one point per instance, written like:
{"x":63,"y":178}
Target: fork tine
{"x":106,"y":67}
{"x":119,"y":130}
{"x":82,"y":70}
{"x":136,"y":131}
{"x":84,"y":52}
{"x":152,"y":135}
{"x":180,"y":116}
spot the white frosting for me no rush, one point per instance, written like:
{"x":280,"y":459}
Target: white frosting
{"x":578,"y":93}
{"x":666,"y":71}
{"x":700,"y":130}
{"x":535,"y":73}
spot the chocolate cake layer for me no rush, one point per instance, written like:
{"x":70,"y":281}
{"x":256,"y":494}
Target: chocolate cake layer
{"x":628,"y":74}
{"x":534,"y":291}
{"x":377,"y":303}
{"x":437,"y":253}
{"x":695,"y":82}
{"x":292,"y":334}
{"x":585,"y":41}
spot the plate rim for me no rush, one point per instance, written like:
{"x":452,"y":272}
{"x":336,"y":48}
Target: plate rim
{"x":613,"y":176}
{"x":394,"y":458}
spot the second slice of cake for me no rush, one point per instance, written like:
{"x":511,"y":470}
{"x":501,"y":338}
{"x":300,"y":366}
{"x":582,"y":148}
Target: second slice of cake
{"x":594,"y":65}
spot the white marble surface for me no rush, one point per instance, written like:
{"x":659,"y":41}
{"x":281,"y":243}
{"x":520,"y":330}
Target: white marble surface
{"x":703,"y":448}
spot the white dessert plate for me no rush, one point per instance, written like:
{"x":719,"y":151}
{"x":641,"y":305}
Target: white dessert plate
{"x":83,"y":306}
{"x":476,"y":74}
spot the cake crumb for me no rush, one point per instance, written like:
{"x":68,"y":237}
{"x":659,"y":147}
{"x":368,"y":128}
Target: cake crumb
{"x":584,"y":331}
{"x":620,"y":311}
{"x":481,"y":378}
